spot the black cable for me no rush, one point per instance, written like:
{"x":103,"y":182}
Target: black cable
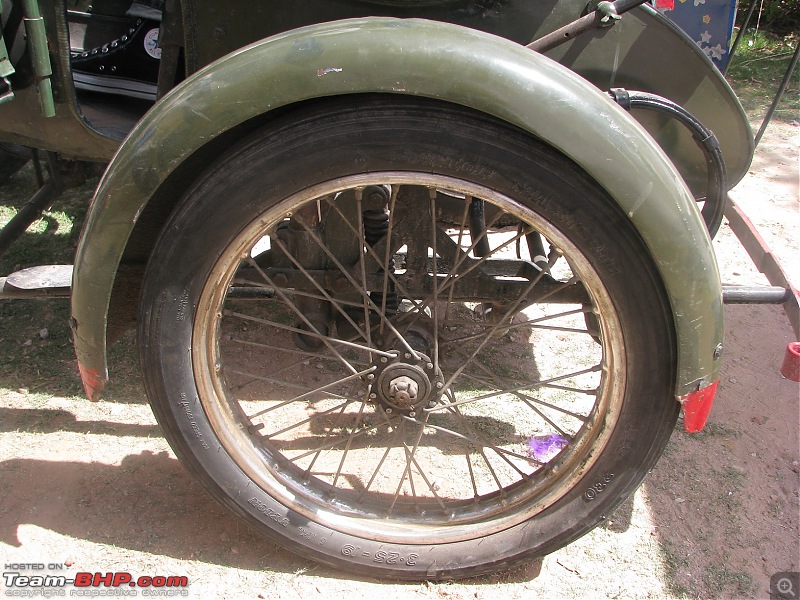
{"x":705,"y":139}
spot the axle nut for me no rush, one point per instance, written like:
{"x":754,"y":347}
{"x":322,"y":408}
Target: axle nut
{"x":403,"y":391}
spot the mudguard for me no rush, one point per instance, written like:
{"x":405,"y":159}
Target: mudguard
{"x":416,"y":57}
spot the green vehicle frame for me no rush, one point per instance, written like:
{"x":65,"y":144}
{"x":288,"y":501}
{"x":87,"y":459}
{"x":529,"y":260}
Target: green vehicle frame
{"x":421,"y":286}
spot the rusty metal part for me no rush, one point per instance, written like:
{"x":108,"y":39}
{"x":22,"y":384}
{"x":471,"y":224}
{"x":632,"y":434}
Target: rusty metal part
{"x":406,"y":383}
{"x":50,"y":281}
{"x":605,"y":15}
{"x":764,"y":260}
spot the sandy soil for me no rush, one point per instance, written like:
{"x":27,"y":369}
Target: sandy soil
{"x":94,"y":487}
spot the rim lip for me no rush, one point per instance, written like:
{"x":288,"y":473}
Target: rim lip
{"x":225,"y":420}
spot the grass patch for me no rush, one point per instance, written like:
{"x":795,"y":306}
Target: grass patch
{"x":757,"y":69}
{"x":35,"y":338}
{"x":720,"y":577}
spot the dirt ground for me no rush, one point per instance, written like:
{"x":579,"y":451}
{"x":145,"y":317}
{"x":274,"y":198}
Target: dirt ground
{"x":94,"y":487}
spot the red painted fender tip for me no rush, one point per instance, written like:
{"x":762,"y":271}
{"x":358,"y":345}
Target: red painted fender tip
{"x":93,"y":382}
{"x":696,"y":407}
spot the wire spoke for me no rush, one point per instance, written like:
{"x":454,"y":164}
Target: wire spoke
{"x":432,"y":193}
{"x":532,"y":323}
{"x":520,"y":395}
{"x":306,"y":355}
{"x":517,"y":392}
{"x":480,"y":443}
{"x":325,"y":295}
{"x":321,"y":388}
{"x":395,"y":442}
{"x":330,"y":342}
{"x":335,"y":443}
{"x":349,"y":443}
{"x":409,"y":457}
{"x":341,"y":406}
{"x":538,"y":384}
{"x":328,"y":435}
{"x":455,"y":410}
{"x":497,"y":325}
{"x":360,"y":289}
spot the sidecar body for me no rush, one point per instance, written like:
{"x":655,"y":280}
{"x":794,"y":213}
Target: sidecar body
{"x":380,"y":254}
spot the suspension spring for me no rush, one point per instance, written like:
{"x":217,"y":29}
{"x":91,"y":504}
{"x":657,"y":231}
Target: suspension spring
{"x":376,"y":226}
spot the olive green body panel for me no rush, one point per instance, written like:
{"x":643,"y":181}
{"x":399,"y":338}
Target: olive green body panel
{"x":68,"y":132}
{"x":421,"y":58}
{"x":645,"y":51}
{"x":214,"y":29}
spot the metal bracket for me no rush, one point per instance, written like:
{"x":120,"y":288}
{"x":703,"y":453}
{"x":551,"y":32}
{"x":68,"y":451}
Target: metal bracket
{"x":6,"y":93}
{"x":44,"y":281}
{"x":40,"y":56}
{"x":609,"y":12}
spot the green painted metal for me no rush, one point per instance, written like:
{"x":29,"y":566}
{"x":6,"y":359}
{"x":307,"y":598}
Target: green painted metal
{"x":6,"y":68}
{"x":68,"y":132}
{"x":40,"y":56}
{"x":642,"y":51}
{"x":645,"y":51}
{"x":420,"y":58}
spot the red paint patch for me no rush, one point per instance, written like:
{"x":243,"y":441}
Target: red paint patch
{"x":93,"y":382}
{"x":696,"y":407}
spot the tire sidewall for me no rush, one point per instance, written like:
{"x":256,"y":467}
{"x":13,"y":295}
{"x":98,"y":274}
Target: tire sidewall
{"x":264,"y":169}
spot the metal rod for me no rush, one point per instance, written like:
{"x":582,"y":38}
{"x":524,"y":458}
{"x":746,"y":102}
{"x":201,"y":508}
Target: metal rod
{"x":37,"y":167}
{"x":33,"y":208}
{"x":764,"y":260}
{"x":781,"y":89}
{"x":605,"y":15}
{"x":740,"y":294}
{"x":477,"y":227}
{"x":29,"y":212}
{"x":739,"y":36}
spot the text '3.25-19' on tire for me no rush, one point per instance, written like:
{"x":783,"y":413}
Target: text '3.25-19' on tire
{"x":408,"y":340}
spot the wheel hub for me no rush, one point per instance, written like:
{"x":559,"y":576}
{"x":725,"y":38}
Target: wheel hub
{"x":406,"y":385}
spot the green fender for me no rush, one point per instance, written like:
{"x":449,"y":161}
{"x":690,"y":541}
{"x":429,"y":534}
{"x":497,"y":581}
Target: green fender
{"x":422,"y":58}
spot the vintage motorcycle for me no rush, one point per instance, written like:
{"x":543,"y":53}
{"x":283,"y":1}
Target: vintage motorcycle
{"x":421,"y":286}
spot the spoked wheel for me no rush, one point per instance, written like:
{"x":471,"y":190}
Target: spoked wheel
{"x":407,"y":339}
